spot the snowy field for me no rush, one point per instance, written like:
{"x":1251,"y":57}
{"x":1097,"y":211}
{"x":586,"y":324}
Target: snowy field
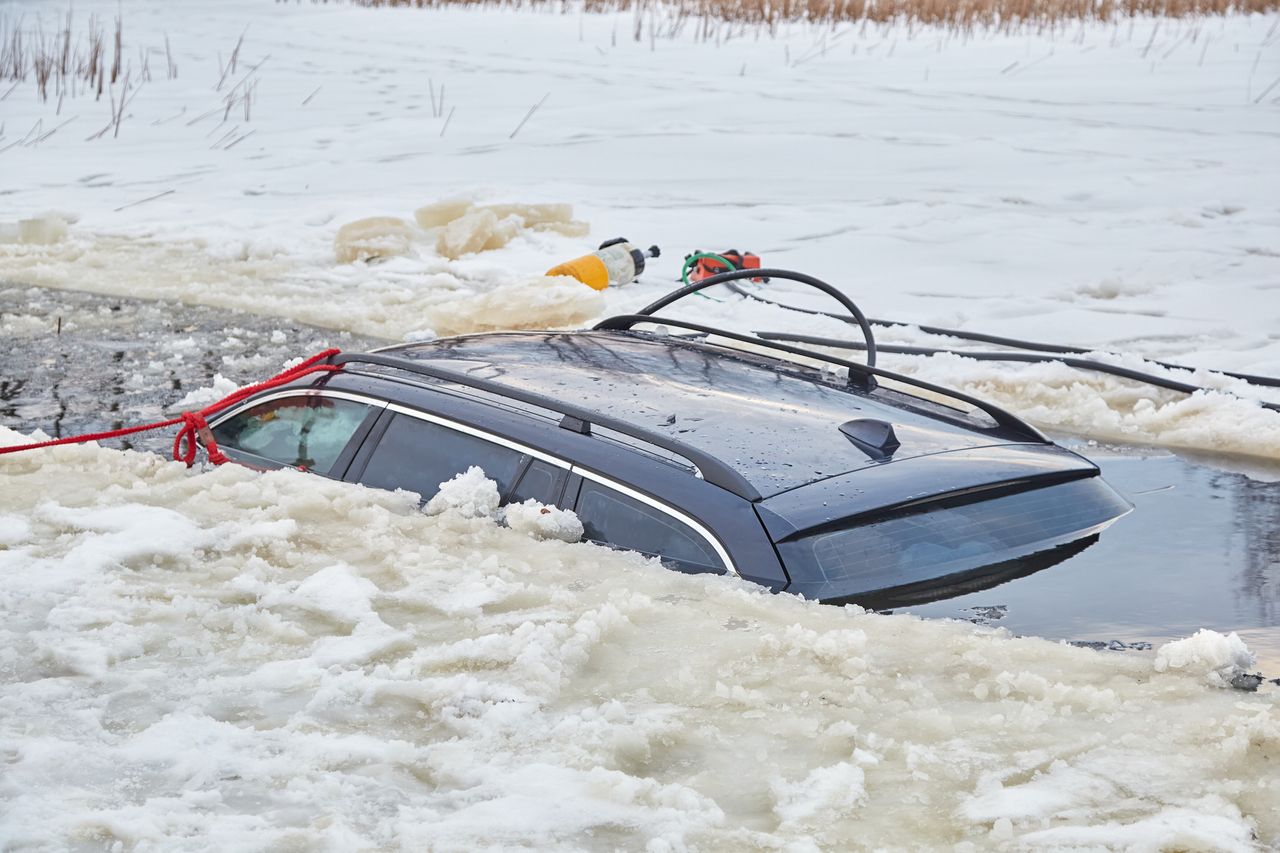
{"x":225,"y":660}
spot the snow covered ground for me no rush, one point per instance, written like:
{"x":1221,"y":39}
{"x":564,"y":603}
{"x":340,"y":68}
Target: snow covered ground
{"x":228,"y":660}
{"x":1111,"y":186}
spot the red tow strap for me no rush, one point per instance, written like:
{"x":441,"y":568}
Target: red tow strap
{"x":193,"y":423}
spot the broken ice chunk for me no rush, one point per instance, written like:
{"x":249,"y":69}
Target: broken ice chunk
{"x":467,"y":234}
{"x":441,"y":212}
{"x":372,"y":239}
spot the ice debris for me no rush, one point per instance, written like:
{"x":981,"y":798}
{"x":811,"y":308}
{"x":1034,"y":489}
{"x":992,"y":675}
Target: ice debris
{"x":542,"y":521}
{"x":293,"y":655}
{"x":200,"y":397}
{"x":42,"y":230}
{"x":1219,"y":658}
{"x":372,"y":239}
{"x":460,"y":227}
{"x":539,"y":302}
{"x":470,"y":494}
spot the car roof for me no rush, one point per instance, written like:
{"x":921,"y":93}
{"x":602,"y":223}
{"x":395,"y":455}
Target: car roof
{"x":775,"y":422}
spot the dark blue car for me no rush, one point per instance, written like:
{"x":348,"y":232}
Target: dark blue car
{"x":713,"y":451}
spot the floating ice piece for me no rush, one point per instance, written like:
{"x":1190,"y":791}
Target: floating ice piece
{"x":41,"y":231}
{"x":539,"y":303}
{"x":470,"y":494}
{"x":542,"y":521}
{"x":13,"y":530}
{"x":337,"y":593}
{"x":419,"y":336}
{"x":372,"y":239}
{"x":826,"y":792}
{"x":200,"y":397}
{"x":1217,"y":657}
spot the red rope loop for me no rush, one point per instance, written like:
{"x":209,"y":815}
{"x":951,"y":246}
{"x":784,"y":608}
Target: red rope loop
{"x":185,"y":446}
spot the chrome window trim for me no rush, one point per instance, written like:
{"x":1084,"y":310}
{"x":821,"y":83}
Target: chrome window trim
{"x":663,"y":508}
{"x":296,"y":392}
{"x":503,"y":442}
{"x":484,"y":435}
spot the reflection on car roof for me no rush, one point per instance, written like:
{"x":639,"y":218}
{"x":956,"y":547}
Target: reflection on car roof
{"x":766,"y":419}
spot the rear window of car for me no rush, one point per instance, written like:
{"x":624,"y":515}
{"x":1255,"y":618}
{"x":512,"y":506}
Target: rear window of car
{"x":940,"y":540}
{"x":611,"y":518}
{"x":303,"y":431}
{"x":419,"y":455}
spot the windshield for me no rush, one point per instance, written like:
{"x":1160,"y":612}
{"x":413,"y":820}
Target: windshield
{"x":941,"y":539}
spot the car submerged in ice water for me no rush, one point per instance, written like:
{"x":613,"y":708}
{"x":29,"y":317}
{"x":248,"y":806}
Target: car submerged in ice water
{"x":712,"y":450}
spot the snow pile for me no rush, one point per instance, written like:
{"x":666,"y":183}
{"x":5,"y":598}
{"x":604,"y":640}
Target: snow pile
{"x":233,"y":660}
{"x":1209,"y":654}
{"x":470,"y":494}
{"x":1113,"y":409}
{"x":542,"y":521}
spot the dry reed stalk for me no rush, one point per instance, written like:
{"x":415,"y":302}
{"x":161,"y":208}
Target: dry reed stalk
{"x":533,"y":109}
{"x":144,"y":200}
{"x":961,"y":16}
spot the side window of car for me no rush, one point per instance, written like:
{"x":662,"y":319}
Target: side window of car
{"x":541,"y":481}
{"x":612,"y":518}
{"x":419,"y":455}
{"x":303,"y":431}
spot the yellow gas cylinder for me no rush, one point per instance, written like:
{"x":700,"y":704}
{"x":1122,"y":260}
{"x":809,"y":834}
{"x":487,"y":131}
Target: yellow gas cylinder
{"x":615,"y":262}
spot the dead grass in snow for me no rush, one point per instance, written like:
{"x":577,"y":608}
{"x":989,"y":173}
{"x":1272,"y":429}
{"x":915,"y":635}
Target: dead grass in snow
{"x":960,"y":14}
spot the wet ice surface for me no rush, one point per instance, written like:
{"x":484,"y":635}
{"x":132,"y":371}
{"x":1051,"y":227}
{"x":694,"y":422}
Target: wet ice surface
{"x":1201,"y":551}
{"x":78,"y":362}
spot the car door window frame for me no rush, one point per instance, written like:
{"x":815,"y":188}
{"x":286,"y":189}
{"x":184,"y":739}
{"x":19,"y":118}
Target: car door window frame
{"x":562,"y":477}
{"x":354,"y":442}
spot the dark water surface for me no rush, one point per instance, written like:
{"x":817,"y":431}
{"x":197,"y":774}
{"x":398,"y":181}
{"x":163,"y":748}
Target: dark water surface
{"x":1200,"y":550}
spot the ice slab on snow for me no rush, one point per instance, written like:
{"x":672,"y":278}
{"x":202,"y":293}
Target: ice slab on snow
{"x":372,"y":239}
{"x":279,"y":660}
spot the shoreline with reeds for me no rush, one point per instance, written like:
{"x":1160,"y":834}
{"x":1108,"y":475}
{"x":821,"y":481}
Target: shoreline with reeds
{"x":961,"y":14}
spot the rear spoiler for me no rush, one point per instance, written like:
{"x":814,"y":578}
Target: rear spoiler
{"x":891,"y":489}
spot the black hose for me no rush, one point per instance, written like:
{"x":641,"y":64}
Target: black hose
{"x":727,"y":278}
{"x":1026,"y":357}
{"x":1015,"y":343}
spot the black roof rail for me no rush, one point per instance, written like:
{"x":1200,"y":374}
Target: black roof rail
{"x":1004,"y":419}
{"x":575,"y":418}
